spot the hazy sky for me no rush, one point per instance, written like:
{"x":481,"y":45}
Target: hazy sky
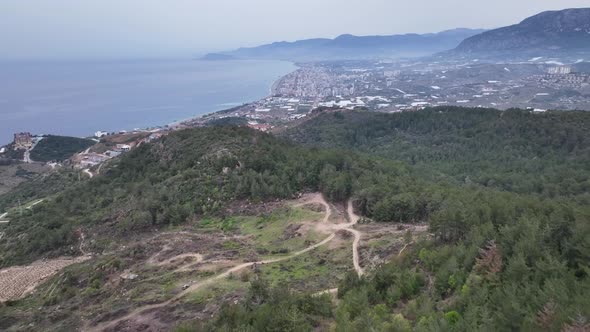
{"x":115,"y":28}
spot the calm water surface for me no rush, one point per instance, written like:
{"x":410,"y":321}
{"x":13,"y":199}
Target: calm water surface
{"x":79,"y":98}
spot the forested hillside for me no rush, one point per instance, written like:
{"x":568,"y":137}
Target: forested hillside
{"x":511,"y":225}
{"x":181,"y":178}
{"x":58,"y":148}
{"x":505,"y":195}
{"x":519,"y":151}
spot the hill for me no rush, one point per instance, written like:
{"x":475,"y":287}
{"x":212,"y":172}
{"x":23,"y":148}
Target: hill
{"x":549,"y":32}
{"x":471,"y":219}
{"x":59,"y":148}
{"x":357,"y":47}
{"x":512,"y":150}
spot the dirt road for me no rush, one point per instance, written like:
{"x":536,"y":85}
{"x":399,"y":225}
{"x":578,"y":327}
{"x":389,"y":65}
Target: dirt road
{"x":87,"y":172}
{"x":325,"y":224}
{"x":357,"y":238}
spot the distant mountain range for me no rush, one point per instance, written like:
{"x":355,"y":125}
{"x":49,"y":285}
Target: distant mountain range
{"x":353,"y":47}
{"x":564,"y":34}
{"x":552,"y":31}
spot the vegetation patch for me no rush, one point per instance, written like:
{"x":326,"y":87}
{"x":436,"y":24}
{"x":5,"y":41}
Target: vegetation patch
{"x":59,"y":148}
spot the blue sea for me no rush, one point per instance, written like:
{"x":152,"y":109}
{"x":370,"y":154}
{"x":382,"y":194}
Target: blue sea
{"x":78,"y":98}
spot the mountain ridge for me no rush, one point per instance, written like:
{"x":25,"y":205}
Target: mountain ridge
{"x":552,"y":31}
{"x":348,"y":46}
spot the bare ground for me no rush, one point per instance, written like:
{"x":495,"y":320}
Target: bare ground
{"x":17,"y":281}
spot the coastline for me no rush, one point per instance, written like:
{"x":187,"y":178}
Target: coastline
{"x":226,"y":99}
{"x":271,"y":92}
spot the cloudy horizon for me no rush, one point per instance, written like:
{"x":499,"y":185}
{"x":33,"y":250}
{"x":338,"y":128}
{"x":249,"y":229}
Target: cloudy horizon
{"x":151,"y":28}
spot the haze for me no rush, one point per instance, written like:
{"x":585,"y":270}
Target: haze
{"x":153,"y":28}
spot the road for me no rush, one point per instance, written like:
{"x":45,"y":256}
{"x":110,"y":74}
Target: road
{"x":37,"y":202}
{"x":87,"y":171}
{"x":27,"y":157}
{"x":357,"y":238}
{"x":353,"y":220}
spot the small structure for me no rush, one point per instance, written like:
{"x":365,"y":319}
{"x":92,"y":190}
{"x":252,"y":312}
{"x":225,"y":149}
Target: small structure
{"x":100,"y":134}
{"x":92,"y":159}
{"x":123,"y":147}
{"x":23,"y":140}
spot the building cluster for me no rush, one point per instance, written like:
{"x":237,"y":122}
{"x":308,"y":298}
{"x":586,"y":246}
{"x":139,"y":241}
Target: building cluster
{"x":560,"y":70}
{"x":23,"y":140}
{"x":91,"y":158}
{"x":398,"y":86}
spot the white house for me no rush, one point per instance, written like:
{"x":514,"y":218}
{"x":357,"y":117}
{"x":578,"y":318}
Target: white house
{"x":124,"y":147}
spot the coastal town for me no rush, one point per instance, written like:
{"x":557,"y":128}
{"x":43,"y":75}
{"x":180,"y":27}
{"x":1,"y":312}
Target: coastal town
{"x":380,"y":86}
{"x":410,"y":86}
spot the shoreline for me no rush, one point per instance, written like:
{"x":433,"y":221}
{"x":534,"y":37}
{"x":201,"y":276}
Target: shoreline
{"x":271,"y":91}
{"x":176,"y":123}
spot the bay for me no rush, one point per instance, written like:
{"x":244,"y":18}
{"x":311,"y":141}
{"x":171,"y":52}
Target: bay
{"x":78,"y":98}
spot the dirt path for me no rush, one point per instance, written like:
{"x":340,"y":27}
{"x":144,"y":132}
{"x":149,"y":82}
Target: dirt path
{"x":37,"y":202}
{"x":87,"y":172}
{"x":357,"y":238}
{"x":81,"y":248}
{"x":99,"y":167}
{"x":139,"y":311}
{"x":404,"y":248}
{"x":316,"y":198}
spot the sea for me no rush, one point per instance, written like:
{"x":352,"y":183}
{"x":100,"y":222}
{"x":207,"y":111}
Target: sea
{"x":78,"y":98}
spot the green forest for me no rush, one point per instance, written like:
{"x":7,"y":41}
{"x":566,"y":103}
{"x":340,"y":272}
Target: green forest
{"x":58,"y":148}
{"x":505,"y":193}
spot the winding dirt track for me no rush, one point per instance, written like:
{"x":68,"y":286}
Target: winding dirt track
{"x":316,"y":198}
{"x":357,"y":238}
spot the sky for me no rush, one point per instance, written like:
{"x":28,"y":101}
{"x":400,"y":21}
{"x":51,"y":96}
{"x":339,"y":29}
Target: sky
{"x":72,"y":29}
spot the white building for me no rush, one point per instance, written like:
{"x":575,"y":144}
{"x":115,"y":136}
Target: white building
{"x":124,"y":147}
{"x":100,"y":134}
{"x":561,"y":70}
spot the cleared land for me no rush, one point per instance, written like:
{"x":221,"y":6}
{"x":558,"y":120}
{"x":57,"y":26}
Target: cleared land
{"x":186,"y":273}
{"x":18,"y":281}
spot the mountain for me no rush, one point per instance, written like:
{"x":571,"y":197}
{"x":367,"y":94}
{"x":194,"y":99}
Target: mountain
{"x":551,"y":31}
{"x":357,"y":47}
{"x":472,"y":219}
